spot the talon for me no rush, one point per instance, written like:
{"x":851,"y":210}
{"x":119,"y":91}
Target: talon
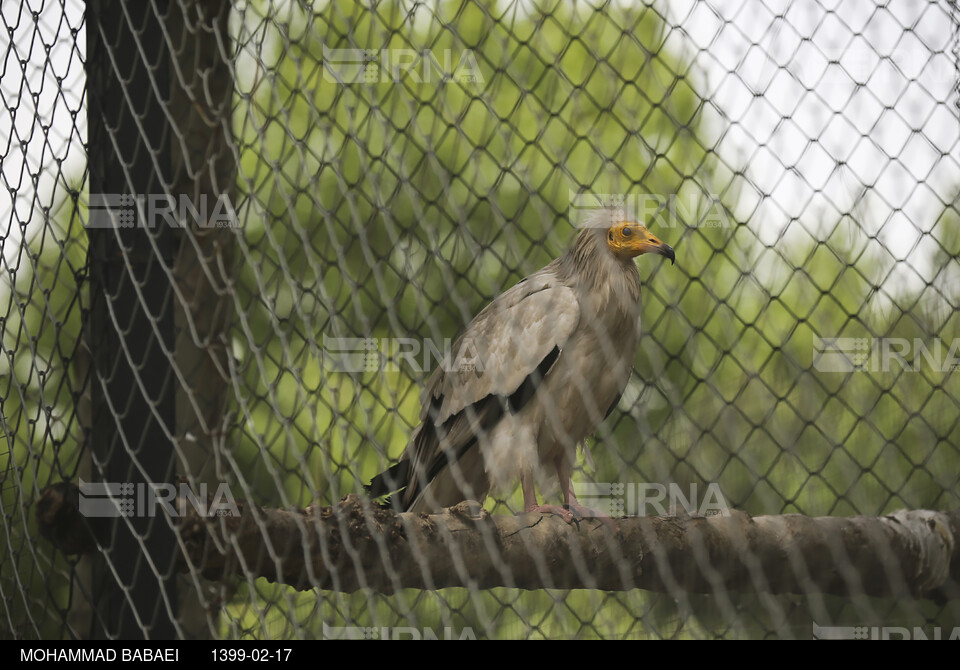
{"x":587,"y":513}
{"x":564,"y":514}
{"x":576,"y":514}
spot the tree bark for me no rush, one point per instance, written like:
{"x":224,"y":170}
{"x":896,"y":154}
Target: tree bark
{"x":357,"y":545}
{"x":204,"y":161}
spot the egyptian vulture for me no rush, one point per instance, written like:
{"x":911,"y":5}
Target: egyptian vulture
{"x":540,"y":367}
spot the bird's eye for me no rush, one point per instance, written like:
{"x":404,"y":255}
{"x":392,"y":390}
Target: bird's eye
{"x":626,"y":232}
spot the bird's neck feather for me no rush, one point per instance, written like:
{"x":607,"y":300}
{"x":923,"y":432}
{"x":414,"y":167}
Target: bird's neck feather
{"x":590,"y":263}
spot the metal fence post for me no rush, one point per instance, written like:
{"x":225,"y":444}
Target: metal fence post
{"x":130,"y":324}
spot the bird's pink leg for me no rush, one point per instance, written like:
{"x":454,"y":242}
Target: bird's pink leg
{"x":564,"y":472}
{"x":530,"y":500}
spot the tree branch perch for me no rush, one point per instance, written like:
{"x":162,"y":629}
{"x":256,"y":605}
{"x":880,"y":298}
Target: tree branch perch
{"x":355,"y":545}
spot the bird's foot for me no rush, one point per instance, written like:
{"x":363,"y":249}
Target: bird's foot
{"x":561,"y":512}
{"x":587,"y":513}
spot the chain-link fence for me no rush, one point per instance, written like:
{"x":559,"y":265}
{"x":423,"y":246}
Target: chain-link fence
{"x":239,"y":237}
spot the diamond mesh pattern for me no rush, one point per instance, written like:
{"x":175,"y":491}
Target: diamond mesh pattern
{"x":398,"y":165}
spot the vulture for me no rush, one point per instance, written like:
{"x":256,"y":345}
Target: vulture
{"x":540,"y":368}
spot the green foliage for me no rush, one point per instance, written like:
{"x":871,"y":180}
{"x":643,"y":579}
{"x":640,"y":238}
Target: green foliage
{"x":40,"y":387}
{"x":399,"y":207}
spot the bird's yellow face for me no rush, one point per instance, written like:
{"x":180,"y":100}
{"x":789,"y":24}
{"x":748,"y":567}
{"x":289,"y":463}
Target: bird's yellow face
{"x":629,"y":240}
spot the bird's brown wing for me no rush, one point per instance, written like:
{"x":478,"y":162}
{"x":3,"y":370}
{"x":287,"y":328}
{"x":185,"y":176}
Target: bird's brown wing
{"x":497,"y":364}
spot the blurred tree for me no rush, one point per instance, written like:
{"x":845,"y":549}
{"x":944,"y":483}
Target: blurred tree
{"x":397,"y":207}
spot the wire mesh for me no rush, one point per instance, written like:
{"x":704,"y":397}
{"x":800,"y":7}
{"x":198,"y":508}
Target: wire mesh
{"x":394,"y":167}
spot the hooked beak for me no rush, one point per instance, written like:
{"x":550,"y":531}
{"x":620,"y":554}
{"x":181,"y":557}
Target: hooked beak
{"x":655,"y":246}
